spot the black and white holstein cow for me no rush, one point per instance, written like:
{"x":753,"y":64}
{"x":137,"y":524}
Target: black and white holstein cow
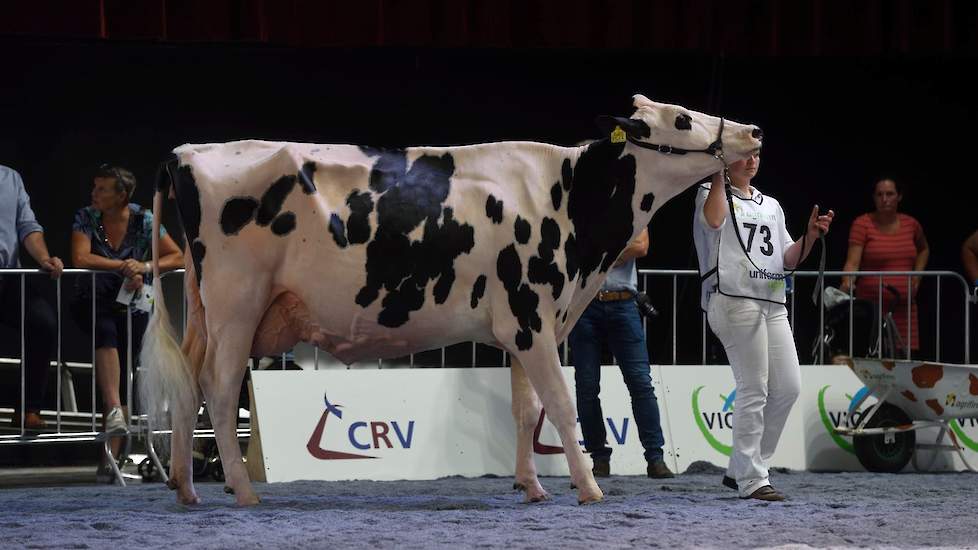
{"x":370,"y":253}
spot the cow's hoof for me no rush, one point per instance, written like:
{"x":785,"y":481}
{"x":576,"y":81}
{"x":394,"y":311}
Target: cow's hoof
{"x":590,"y":497}
{"x":228,"y":490}
{"x":249,"y":502}
{"x":172,"y":484}
{"x":188,"y":499}
{"x":533,"y":490}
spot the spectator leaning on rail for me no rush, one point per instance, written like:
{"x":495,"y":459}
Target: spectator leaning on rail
{"x":887,"y":240}
{"x":18,"y":225}
{"x":114,"y":235}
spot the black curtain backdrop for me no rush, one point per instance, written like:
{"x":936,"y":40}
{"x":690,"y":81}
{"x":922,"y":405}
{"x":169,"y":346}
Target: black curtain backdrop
{"x":832,"y":126}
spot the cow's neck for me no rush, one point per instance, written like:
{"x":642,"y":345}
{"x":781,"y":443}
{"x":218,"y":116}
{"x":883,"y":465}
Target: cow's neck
{"x":601,"y":207}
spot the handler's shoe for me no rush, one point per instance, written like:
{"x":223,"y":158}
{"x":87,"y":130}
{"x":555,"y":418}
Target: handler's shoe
{"x":115,"y":422}
{"x":658,"y":470}
{"x":729,"y":482}
{"x":602,"y":467}
{"x":765,"y":493}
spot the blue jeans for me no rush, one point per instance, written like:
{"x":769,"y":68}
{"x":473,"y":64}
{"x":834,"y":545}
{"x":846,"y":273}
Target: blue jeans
{"x":619,"y":324}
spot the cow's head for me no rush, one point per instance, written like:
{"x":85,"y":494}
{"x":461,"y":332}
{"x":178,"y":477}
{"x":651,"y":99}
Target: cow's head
{"x":668,"y":143}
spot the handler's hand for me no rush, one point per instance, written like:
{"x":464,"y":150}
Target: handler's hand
{"x":817,"y":224}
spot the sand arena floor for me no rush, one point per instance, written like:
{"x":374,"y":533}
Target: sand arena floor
{"x":690,"y":511}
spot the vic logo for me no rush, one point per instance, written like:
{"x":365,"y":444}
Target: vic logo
{"x":710,"y":421}
{"x":832,"y":419}
{"x":362,"y":435}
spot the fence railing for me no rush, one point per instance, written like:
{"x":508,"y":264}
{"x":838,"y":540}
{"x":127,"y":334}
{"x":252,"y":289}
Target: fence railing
{"x":682,"y":322}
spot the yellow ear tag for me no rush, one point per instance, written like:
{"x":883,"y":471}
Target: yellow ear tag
{"x":617,"y":135}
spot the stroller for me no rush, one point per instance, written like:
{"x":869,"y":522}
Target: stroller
{"x":866,"y":326}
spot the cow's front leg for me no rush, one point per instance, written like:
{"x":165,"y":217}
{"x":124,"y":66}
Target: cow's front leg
{"x":542,"y":365}
{"x":526,"y":412}
{"x":221,"y":377}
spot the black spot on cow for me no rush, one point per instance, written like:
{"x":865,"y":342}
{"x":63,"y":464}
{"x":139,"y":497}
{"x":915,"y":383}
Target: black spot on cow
{"x":306,"y":179}
{"x":284,"y":224}
{"x":237,"y":213}
{"x":567,"y":174}
{"x":542,"y":269}
{"x":388,"y":169}
{"x":409,"y":199}
{"x":647,"y":201}
{"x":358,"y":224}
{"x":273,"y":198}
{"x":683,"y":122}
{"x":197,"y":253}
{"x":556,"y":195}
{"x":521,"y":229}
{"x":600,"y":206}
{"x":494,"y":209}
{"x":523,"y":301}
{"x":570,"y":257}
{"x":478,"y":289}
{"x":188,"y":208}
{"x":337,"y":230}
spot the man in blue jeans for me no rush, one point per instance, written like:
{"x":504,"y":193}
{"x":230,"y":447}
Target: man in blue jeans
{"x":613,"y":317}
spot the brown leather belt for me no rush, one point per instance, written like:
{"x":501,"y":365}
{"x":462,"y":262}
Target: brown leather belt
{"x":614,"y":295}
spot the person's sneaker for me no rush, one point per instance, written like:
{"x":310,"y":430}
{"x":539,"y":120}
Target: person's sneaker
{"x":729,"y":482}
{"x":658,"y":470}
{"x":115,"y":422}
{"x":602,"y":467}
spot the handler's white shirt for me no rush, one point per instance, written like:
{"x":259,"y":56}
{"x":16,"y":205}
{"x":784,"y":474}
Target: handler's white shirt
{"x":723,"y":266}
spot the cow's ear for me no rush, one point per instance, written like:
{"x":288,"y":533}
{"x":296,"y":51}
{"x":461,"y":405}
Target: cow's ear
{"x":633,"y":128}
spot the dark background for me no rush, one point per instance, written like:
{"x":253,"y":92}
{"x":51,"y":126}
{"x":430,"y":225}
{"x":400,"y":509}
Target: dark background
{"x":845,"y":92}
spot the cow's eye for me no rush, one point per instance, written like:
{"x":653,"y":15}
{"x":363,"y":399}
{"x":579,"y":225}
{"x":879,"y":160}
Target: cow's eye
{"x":683,"y":122}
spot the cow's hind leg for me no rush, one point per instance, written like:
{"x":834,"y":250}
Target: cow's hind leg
{"x":221,"y":379}
{"x":526,"y":413}
{"x":542,"y":365}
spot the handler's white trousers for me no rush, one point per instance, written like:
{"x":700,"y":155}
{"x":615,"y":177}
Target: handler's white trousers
{"x":761,"y":351}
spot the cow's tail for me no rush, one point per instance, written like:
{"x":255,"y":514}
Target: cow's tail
{"x":167,"y":383}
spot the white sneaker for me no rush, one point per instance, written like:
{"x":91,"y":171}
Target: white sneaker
{"x":115,"y":422}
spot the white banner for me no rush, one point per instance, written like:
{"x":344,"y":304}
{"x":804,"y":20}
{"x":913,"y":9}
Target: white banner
{"x":427,"y":423}
{"x":415,"y":424}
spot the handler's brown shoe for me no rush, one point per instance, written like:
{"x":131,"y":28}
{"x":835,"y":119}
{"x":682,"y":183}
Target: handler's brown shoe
{"x":658,"y":470}
{"x":766,"y":493}
{"x":602,"y":467}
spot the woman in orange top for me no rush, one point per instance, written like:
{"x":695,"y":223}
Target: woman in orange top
{"x":886,"y":240}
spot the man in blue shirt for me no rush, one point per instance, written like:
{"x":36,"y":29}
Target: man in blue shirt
{"x":613,"y":317}
{"x":18,"y":226}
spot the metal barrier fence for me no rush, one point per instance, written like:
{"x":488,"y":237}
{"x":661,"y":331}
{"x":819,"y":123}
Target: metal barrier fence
{"x":67,"y":415}
{"x":799,"y":308}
